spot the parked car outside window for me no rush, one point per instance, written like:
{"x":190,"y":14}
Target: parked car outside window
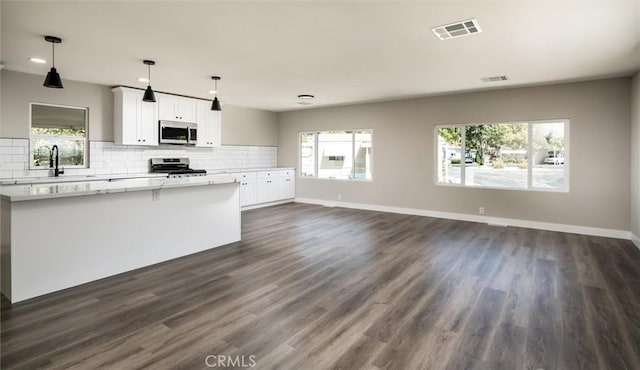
{"x":554,"y":158}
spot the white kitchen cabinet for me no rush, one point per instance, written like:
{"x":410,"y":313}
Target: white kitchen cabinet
{"x":264,"y":187}
{"x":287,"y":188}
{"x":266,"y":190}
{"x":247,"y":182}
{"x":135,"y":121}
{"x":176,"y":108}
{"x":272,"y":186}
{"x":209,"y":125}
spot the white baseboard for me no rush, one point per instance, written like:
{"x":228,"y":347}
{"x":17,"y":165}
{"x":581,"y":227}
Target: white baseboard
{"x":596,"y":231}
{"x":635,"y":239}
{"x":262,"y":205}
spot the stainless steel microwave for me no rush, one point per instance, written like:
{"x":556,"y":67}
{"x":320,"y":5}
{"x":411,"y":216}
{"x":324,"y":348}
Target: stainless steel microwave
{"x":181,"y":133}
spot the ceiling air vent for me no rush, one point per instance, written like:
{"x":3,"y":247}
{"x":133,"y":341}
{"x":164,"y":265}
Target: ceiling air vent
{"x":494,"y":79}
{"x":458,"y":29}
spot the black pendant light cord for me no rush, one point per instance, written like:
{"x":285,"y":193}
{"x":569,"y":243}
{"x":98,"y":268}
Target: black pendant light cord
{"x":149,"y":96}
{"x":53,"y":79}
{"x":215,"y":104}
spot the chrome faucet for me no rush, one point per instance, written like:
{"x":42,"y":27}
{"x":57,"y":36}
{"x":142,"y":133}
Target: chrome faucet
{"x":56,"y":171}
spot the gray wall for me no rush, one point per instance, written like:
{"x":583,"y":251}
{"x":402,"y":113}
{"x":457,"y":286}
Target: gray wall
{"x":635,"y":155}
{"x":240,"y":126}
{"x":249,"y":126}
{"x":18,"y":89}
{"x":403,"y":152}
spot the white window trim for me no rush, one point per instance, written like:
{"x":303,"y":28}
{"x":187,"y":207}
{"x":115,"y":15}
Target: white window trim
{"x":530,"y":124}
{"x":35,"y":136}
{"x":315,"y":155}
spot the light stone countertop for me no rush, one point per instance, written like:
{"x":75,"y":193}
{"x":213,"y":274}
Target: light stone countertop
{"x":85,"y":178}
{"x":238,"y":170}
{"x":78,"y":178}
{"x":35,"y":191}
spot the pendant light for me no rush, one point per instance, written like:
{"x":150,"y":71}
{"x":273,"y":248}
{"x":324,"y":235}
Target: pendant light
{"x":216,"y":103}
{"x":149,"y":96}
{"x":53,"y":79}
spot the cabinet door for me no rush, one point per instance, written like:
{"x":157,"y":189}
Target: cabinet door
{"x":202,"y":115}
{"x":148,"y":123}
{"x":215,"y":128}
{"x":126,"y":130}
{"x":167,"y":107}
{"x":247,"y":193}
{"x":266,"y":190}
{"x":186,"y":109}
{"x":208,"y":125}
{"x":287,"y":188}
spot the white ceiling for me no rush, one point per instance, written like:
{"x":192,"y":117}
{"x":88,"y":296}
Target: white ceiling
{"x":268,"y":52}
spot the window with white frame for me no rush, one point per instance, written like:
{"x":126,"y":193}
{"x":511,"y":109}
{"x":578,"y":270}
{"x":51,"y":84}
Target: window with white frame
{"x":337,"y":154}
{"x":531,"y":155}
{"x":58,"y":125}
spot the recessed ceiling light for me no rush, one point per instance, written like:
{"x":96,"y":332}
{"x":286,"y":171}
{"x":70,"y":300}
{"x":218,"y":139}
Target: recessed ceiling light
{"x":494,"y":79}
{"x":142,"y":79}
{"x":457,"y":29}
{"x":305,"y":103}
{"x":305,"y":96}
{"x":212,"y":91}
{"x":38,"y":60}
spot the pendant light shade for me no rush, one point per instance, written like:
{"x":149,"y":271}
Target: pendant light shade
{"x":149,"y":95}
{"x":53,"y":79}
{"x":215,"y":105}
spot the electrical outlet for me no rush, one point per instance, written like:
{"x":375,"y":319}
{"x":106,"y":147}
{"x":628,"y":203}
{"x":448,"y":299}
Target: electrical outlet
{"x":481,"y":210}
{"x":339,"y":196}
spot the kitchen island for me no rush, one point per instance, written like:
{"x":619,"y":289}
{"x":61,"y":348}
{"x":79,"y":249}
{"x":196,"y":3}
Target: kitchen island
{"x":56,"y":236}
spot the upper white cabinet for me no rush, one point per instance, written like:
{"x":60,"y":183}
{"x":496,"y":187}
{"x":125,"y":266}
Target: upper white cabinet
{"x":209,"y":125}
{"x":135,"y":121}
{"x":176,"y":108}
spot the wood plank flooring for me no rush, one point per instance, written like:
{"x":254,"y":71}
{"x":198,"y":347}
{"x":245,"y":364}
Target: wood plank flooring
{"x":311,"y":287}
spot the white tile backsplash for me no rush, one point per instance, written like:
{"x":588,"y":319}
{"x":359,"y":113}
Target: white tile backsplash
{"x":106,"y":158}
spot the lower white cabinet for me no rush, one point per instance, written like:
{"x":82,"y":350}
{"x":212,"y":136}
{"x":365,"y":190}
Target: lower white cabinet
{"x":266,"y":186}
{"x":287,"y":188}
{"x":247,"y":182}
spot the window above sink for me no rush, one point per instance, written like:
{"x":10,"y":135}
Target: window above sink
{"x":64,"y":126}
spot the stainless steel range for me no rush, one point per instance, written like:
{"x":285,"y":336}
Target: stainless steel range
{"x":174,"y":167}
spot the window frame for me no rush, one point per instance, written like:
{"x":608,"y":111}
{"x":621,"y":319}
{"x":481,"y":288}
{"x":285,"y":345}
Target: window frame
{"x":316,"y":162}
{"x":63,"y":137}
{"x":530,"y":187}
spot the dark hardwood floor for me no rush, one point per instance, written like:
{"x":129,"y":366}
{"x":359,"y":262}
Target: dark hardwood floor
{"x":314,"y":288}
